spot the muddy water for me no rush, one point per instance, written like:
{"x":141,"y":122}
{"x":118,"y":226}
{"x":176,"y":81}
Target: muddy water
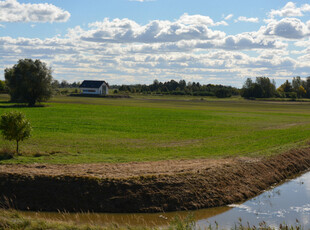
{"x":285,"y":203}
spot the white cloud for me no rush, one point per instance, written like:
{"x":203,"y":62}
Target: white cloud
{"x":290,"y":28}
{"x":13,"y":11}
{"x":124,"y":51}
{"x":245,"y":19}
{"x":77,"y":60}
{"x":305,"y":8}
{"x":2,"y":26}
{"x":199,"y":20}
{"x":141,"y":0}
{"x":228,"y":17}
{"x":187,"y":27}
{"x":290,"y":10}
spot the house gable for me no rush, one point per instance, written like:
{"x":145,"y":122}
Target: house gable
{"x":94,"y":87}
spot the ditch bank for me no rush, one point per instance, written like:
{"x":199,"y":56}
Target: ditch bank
{"x":146,"y":186}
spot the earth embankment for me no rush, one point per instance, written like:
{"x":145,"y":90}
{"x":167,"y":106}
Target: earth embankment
{"x":145,"y":186}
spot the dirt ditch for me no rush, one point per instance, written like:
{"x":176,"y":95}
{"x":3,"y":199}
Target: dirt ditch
{"x":145,"y":186}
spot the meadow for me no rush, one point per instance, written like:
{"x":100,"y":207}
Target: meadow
{"x":150,"y":128}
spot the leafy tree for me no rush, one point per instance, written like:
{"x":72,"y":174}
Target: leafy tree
{"x":15,"y":126}
{"x":296,"y":83}
{"x":222,"y":93}
{"x":286,"y":87}
{"x":29,"y":81}
{"x":267,"y":86}
{"x":262,"y":88}
{"x":307,"y":87}
{"x":248,"y":83}
{"x":301,"y":92}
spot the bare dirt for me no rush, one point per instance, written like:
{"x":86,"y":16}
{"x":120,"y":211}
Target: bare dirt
{"x":122,"y":170}
{"x":145,"y":186}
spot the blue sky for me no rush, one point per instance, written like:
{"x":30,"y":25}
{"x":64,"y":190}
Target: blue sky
{"x":127,"y":42}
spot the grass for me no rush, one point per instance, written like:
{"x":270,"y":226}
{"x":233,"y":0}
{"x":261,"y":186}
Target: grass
{"x":13,"y":220}
{"x":149,"y":128}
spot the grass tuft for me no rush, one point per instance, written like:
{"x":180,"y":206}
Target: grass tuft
{"x":6,"y":153}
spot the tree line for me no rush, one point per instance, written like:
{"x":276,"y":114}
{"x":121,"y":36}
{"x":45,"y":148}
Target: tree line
{"x":173,"y":87}
{"x":263,"y":87}
{"x":30,"y":81}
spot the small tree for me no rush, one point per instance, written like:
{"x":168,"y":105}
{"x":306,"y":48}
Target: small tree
{"x":29,"y":81}
{"x":15,"y":126}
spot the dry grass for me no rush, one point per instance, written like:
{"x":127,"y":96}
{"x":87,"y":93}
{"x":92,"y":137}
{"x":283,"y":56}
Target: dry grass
{"x":6,"y":153}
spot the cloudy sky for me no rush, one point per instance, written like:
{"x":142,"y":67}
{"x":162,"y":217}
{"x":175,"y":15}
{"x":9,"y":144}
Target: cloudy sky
{"x":137,"y":41}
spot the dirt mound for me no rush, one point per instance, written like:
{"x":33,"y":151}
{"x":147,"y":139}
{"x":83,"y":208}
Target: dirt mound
{"x":145,"y":187}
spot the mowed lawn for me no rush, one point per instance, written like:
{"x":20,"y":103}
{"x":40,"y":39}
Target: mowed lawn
{"x":88,"y":130}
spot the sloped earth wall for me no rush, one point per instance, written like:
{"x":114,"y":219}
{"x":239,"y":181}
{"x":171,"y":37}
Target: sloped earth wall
{"x":220,"y":184}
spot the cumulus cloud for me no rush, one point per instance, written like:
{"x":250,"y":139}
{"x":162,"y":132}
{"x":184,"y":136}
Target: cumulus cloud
{"x":125,"y":51}
{"x":245,"y":19}
{"x":187,"y":27}
{"x":290,"y":10}
{"x":290,"y":28}
{"x":13,"y":11}
{"x":248,"y":41}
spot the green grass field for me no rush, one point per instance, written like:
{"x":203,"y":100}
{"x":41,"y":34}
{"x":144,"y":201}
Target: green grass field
{"x":87,"y":130}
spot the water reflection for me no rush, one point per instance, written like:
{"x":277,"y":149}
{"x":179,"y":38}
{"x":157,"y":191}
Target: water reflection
{"x":285,"y":203}
{"x":137,"y":219}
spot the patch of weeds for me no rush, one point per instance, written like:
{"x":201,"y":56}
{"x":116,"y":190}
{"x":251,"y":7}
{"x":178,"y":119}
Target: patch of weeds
{"x":40,"y":154}
{"x":187,"y":224}
{"x":6,"y":153}
{"x":54,"y":152}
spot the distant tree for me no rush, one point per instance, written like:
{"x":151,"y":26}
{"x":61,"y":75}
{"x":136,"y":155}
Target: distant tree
{"x":268,"y":87}
{"x":55,"y":84}
{"x":301,"y":92}
{"x":75,"y":84}
{"x":222,"y":93}
{"x":15,"y":126}
{"x":64,"y":84}
{"x":182,"y":84}
{"x":252,"y":90}
{"x":3,"y":87}
{"x":286,"y":87}
{"x":29,"y":81}
{"x":248,"y":83}
{"x":307,"y":87}
{"x":262,"y":88}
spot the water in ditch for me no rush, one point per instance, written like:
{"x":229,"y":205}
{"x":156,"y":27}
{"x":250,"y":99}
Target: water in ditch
{"x":287,"y":203}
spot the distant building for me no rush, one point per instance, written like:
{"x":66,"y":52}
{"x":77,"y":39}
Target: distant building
{"x":94,"y":87}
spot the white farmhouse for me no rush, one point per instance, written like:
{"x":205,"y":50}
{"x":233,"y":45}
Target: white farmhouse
{"x":94,"y":87}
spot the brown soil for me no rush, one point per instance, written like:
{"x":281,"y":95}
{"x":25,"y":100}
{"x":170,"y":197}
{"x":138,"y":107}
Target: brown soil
{"x":145,"y":186}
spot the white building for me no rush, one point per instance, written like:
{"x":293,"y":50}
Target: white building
{"x":94,"y":87}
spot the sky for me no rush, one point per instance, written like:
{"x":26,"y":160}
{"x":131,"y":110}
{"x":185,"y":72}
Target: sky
{"x":137,"y":41}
